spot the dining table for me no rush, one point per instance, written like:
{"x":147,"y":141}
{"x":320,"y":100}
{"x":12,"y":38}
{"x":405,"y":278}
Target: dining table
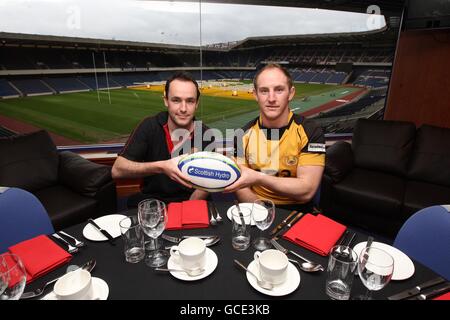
{"x":137,"y":281}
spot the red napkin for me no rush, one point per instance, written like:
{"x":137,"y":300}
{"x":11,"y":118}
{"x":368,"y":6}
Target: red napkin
{"x":39,"y":256}
{"x":445,"y":296}
{"x":316,"y":233}
{"x":188,"y":214}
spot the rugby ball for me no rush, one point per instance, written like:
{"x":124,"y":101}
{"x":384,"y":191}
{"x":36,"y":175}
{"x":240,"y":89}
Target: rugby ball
{"x":209,"y":171}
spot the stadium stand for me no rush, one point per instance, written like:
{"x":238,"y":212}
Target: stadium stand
{"x":6,"y":90}
{"x":66,"y":84}
{"x":37,"y":65}
{"x":31,"y":86}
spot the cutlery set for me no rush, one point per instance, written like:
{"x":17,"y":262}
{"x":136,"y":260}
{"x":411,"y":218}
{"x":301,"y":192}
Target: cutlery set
{"x":346,"y":251}
{"x":307,"y":266}
{"x":213,"y":209}
{"x":66,"y":239}
{"x":418,"y":293}
{"x":102,"y":231}
{"x":286,"y":224}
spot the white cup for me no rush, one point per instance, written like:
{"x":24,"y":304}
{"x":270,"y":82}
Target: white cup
{"x":272,"y":265}
{"x":191,"y":253}
{"x":75,"y":285}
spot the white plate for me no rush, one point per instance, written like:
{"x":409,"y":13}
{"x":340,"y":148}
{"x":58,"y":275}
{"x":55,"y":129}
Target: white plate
{"x":210,"y":266}
{"x":101,"y":290}
{"x":403,"y":265}
{"x":292,"y":281}
{"x":109,"y":223}
{"x":241,"y":205}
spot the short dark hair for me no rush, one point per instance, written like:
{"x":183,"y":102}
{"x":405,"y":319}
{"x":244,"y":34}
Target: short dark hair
{"x":274,"y":66}
{"x":183,"y":76}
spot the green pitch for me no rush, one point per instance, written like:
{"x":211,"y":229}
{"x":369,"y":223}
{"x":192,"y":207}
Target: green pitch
{"x":82,"y":117}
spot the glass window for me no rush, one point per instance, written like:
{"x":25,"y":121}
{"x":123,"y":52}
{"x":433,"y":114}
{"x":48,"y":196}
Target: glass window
{"x":89,"y":71}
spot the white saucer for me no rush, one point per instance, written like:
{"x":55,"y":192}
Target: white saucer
{"x":248,"y":205}
{"x":210,"y":266}
{"x":101,"y":290}
{"x":109,"y":223}
{"x":403,"y":265}
{"x":292,"y":281}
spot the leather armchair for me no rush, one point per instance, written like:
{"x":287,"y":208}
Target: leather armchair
{"x":390,"y":171}
{"x":71,"y":188}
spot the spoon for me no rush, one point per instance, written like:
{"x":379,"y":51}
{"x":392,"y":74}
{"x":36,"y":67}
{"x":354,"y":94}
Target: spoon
{"x":307,"y":266}
{"x":263,"y":284}
{"x":189,"y":272}
{"x":209,"y":241}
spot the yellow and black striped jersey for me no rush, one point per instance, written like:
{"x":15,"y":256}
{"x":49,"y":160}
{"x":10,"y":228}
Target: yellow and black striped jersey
{"x":280,"y":151}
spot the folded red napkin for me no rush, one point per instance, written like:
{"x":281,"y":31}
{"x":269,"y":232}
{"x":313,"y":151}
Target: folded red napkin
{"x":316,"y":233}
{"x":188,"y":214}
{"x":445,"y":296}
{"x":39,"y":256}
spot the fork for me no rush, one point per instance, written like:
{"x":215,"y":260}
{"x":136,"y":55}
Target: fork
{"x":89,"y":266}
{"x":346,"y":250}
{"x":212,"y":221}
{"x":71,"y":249}
{"x":38,"y":291}
{"x":218,"y":217}
{"x":78,"y":243}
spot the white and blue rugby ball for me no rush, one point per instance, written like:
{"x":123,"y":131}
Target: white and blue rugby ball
{"x":209,"y":171}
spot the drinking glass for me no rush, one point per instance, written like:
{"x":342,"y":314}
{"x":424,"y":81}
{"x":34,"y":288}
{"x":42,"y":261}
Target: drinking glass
{"x":4,"y":279}
{"x":13,"y":277}
{"x":263,"y":212}
{"x":375,"y":269}
{"x":152,"y":215}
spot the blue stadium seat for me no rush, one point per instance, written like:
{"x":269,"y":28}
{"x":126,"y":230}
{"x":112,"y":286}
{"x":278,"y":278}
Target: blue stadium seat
{"x":22,"y":217}
{"x":425,"y":237}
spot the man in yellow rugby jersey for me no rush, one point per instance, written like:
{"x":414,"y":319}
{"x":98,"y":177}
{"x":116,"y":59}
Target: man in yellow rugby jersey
{"x":282,"y":155}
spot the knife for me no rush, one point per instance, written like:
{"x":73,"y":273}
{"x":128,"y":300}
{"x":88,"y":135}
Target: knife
{"x":241,"y":216}
{"x":416,"y":290}
{"x":102,"y":231}
{"x":432,"y":293}
{"x":289,"y":225}
{"x":282,"y":223}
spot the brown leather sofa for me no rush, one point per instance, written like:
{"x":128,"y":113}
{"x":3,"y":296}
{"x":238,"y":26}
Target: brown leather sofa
{"x":71,"y":188}
{"x":390,"y":171}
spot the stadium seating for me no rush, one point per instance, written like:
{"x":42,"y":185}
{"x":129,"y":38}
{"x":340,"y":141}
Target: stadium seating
{"x":6,"y":90}
{"x":70,"y":187}
{"x":67,"y":84}
{"x":390,"y":171}
{"x":31,"y":86}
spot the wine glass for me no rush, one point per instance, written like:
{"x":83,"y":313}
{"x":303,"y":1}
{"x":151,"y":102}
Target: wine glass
{"x":152,"y":215}
{"x":263,"y":213}
{"x":13,"y":277}
{"x":375,"y":269}
{"x":4,"y":278}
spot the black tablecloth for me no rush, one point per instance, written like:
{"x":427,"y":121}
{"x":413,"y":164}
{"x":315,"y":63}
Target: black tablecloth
{"x":227,"y":282}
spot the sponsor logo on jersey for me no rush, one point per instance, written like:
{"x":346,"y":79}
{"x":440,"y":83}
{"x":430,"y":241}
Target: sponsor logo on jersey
{"x":316,"y":147}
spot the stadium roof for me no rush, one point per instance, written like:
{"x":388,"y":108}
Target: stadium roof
{"x":23,"y":39}
{"x":388,"y":7}
{"x":385,"y":37}
{"x":377,"y":37}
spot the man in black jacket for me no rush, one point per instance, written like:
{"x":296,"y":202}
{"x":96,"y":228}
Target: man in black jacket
{"x":153,"y":149}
